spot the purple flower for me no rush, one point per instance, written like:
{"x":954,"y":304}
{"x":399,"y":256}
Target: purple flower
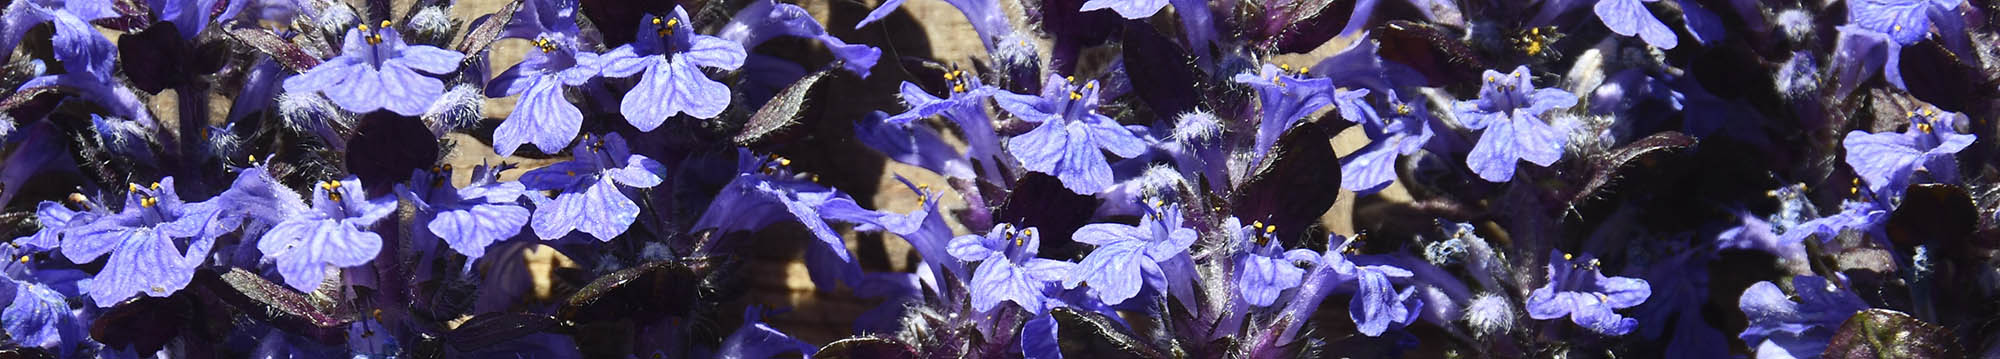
{"x":38,"y":316}
{"x":763,"y":20}
{"x":1372,"y":167}
{"x":141,"y":239}
{"x":188,"y":16}
{"x":1285,"y":98}
{"x":1630,"y":18}
{"x":1510,"y":110}
{"x":1799,"y":328}
{"x":589,"y":194}
{"x":376,"y":70}
{"x":1128,"y":257}
{"x":1066,"y":144}
{"x":334,"y":233}
{"x":468,"y":219}
{"x":758,"y":340}
{"x":1130,"y":9}
{"x":87,"y":57}
{"x":543,"y":115}
{"x":1577,"y":289}
{"x":1008,"y":269}
{"x":765,"y":191}
{"x":1905,"y":21}
{"x":1886,"y":160}
{"x":56,"y":218}
{"x":1868,"y":215}
{"x":72,"y":22}
{"x":965,"y":106}
{"x":914,"y":145}
{"x":1376,"y":305}
{"x":1265,"y":269}
{"x":671,"y":55}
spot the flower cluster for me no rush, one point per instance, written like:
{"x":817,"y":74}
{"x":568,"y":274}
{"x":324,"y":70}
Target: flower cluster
{"x":571,"y":179}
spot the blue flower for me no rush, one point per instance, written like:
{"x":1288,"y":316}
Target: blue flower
{"x":38,"y":316}
{"x":1630,"y":18}
{"x":589,"y":189}
{"x":543,"y":116}
{"x":672,"y":55}
{"x":1372,"y":167}
{"x":1127,"y":256}
{"x":468,"y":219}
{"x":377,"y":70}
{"x":1265,"y":269}
{"x":1376,"y":306}
{"x":142,"y":240}
{"x":188,"y":16}
{"x":965,"y":106}
{"x":87,"y":57}
{"x":1867,"y":215}
{"x":334,"y":233}
{"x":72,"y":19}
{"x":1286,"y":97}
{"x":763,"y":20}
{"x":914,"y":145}
{"x":1066,"y":144}
{"x":1799,"y":328}
{"x":759,"y":340}
{"x":56,"y":218}
{"x":1008,"y":269}
{"x":766,"y":191}
{"x":1510,"y":110}
{"x":1886,"y":160}
{"x":1130,"y":9}
{"x":1905,"y":21}
{"x":1578,"y":290}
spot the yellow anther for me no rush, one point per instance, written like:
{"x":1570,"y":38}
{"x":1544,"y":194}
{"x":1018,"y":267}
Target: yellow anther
{"x":1270,"y":229}
{"x":149,"y":202}
{"x":1928,"y":112}
{"x":815,"y":178}
{"x":1567,"y":256}
{"x":132,"y":187}
{"x":784,"y":162}
{"x":1402,"y":109}
{"x":385,"y":24}
{"x":656,"y":20}
{"x":1070,"y":79}
{"x":156,"y":186}
{"x":1028,"y":232}
{"x":335,"y":196}
{"x":1019,"y":241}
{"x":1594,"y":263}
{"x":1257,"y":224}
{"x":674,"y":22}
{"x":447,"y":167}
{"x":958,"y":88}
{"x":24,"y":259}
{"x":78,"y":198}
{"x":363,"y":27}
{"x":1926,"y":127}
{"x":253,"y":158}
{"x":1088,"y":86}
{"x":950,"y":75}
{"x":1285,"y":67}
{"x":1074,"y":96}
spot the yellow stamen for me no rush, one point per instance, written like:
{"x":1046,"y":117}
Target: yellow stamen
{"x":385,"y":24}
{"x":1074,"y":96}
{"x":1402,"y":109}
{"x":1567,"y":256}
{"x":363,"y":27}
{"x":156,"y":186}
{"x":674,"y":22}
{"x":1069,"y":79}
{"x":784,"y":162}
{"x":132,"y":187}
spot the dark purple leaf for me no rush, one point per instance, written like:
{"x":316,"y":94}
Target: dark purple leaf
{"x":1306,"y":24}
{"x":786,"y":111}
{"x":1091,"y":335}
{"x":1883,"y":333}
{"x":1640,"y":156}
{"x":155,"y":59}
{"x":867,"y":348}
{"x":487,"y":330}
{"x":386,"y":147}
{"x":1295,"y":184}
{"x":487,"y":29}
{"x":1040,"y":200}
{"x":642,"y":294}
{"x":144,"y":324}
{"x":287,"y":53}
{"x":1933,"y":213}
{"x":276,"y":304}
{"x":1943,"y":79}
{"x":1162,"y":73}
{"x":1439,"y":56}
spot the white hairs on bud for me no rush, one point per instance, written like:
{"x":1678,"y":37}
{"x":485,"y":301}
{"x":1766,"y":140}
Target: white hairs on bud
{"x":309,"y":113}
{"x":1798,"y":78}
{"x":459,"y":108}
{"x":1197,"y":127}
{"x":1489,"y":315}
{"x":336,"y":17}
{"x":1797,"y":25}
{"x":1160,"y":181}
{"x":432,"y":22}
